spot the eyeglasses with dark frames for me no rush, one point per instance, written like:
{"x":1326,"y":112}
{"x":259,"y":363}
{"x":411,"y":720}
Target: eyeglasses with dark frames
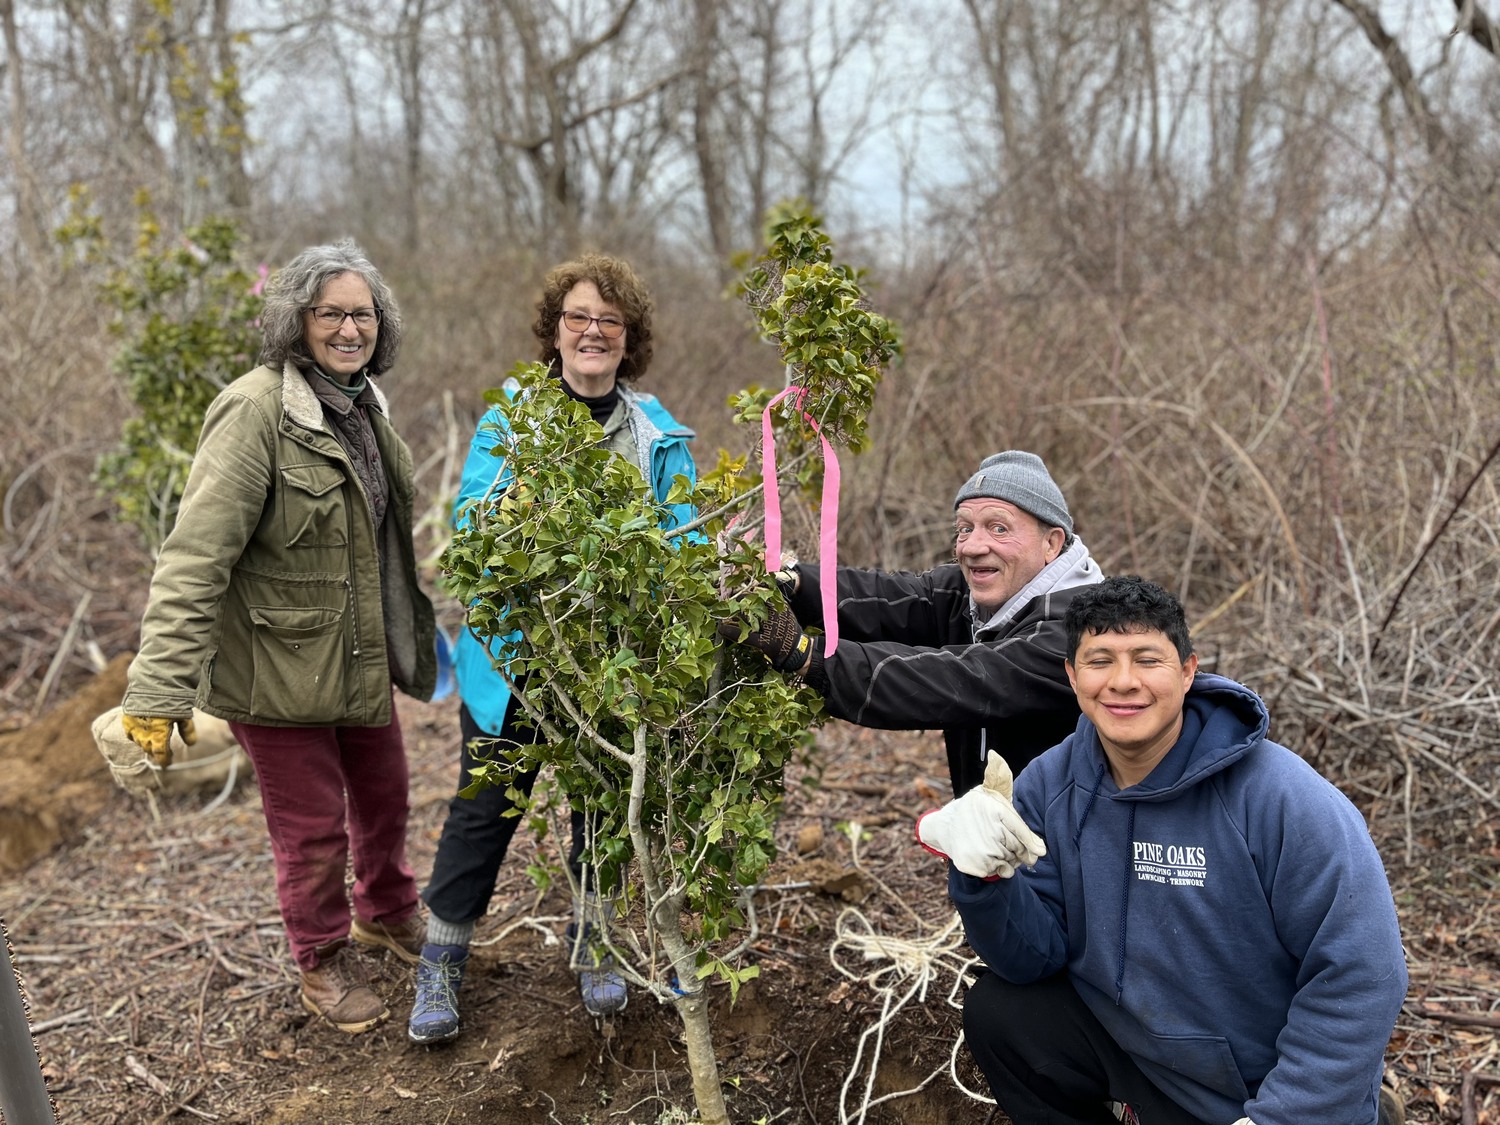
{"x":331,"y":316}
{"x":610,"y":327}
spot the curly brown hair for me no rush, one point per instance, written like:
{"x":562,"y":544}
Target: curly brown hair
{"x":621,"y":286}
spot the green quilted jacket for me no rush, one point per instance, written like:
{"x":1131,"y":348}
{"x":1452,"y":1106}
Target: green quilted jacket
{"x":267,"y":604}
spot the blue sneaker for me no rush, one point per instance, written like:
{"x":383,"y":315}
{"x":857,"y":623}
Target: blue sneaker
{"x":434,"y":1014}
{"x":602,"y":988}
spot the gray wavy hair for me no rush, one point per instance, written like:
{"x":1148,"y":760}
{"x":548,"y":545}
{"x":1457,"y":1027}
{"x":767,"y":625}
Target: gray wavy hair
{"x":296,"y":287}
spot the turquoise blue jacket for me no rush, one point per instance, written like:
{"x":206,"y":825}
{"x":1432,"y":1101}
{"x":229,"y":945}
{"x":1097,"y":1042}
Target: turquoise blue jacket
{"x":662,"y":445}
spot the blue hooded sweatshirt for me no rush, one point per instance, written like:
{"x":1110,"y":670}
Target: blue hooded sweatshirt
{"x":1228,"y":919}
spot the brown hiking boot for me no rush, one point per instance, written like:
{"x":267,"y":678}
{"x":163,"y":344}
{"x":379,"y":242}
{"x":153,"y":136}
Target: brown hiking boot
{"x":1392,"y":1108}
{"x":336,"y":990}
{"x":404,"y":939}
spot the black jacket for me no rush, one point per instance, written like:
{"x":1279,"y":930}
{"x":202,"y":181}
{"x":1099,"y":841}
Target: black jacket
{"x":910,"y":657}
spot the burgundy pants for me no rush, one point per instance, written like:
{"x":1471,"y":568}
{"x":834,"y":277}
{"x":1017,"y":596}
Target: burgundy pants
{"x":329,"y":793}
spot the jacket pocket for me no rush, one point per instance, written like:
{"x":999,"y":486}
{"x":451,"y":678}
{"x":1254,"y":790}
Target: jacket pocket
{"x":1203,"y":1060}
{"x":314,"y":511}
{"x":298,"y":665}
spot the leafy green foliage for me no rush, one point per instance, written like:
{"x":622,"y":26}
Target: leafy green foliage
{"x":187,"y":313}
{"x":616,"y":618}
{"x":676,"y":742}
{"x":834,"y":345}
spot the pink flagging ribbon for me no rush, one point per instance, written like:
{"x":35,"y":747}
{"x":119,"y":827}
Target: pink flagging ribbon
{"x":828,"y":518}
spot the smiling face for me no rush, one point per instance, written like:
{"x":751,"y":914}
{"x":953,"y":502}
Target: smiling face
{"x":1001,"y":548}
{"x":589,"y":359}
{"x":342,"y":352}
{"x":1131,"y":687}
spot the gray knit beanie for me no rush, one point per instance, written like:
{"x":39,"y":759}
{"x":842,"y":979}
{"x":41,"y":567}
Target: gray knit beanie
{"x":1021,"y":479}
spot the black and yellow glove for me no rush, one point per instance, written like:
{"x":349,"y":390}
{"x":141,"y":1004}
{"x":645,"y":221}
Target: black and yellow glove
{"x":781,"y":638}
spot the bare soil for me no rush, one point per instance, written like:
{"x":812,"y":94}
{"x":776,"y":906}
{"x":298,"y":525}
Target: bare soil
{"x":157,"y":972}
{"x":160,"y":987}
{"x":52,"y":780}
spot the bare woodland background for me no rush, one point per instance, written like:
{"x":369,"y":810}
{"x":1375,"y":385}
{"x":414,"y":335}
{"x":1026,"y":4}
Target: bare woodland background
{"x":1230,"y":267}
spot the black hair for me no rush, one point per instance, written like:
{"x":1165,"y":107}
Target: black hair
{"x":1126,"y":603}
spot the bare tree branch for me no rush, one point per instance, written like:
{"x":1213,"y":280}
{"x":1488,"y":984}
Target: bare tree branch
{"x":1434,"y":138}
{"x":1473,"y":22}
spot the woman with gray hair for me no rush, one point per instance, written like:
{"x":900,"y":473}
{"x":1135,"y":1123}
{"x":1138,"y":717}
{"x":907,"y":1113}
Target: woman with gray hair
{"x":286,"y":601}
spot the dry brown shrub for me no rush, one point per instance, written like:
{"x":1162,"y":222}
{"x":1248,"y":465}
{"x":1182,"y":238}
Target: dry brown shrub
{"x":1202,"y":442}
{"x":1190,"y":421}
{"x":68,"y":572}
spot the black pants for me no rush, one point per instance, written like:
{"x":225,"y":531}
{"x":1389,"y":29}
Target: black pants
{"x":1050,"y":1062}
{"x":476,"y":834}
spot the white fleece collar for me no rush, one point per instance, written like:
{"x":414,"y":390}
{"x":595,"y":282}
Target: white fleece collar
{"x":301,"y":404}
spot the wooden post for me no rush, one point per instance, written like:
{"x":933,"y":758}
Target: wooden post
{"x":23,"y":1092}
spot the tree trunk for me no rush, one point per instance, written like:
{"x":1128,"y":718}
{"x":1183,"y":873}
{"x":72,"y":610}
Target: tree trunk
{"x":705,"y":143}
{"x":208,"y":141}
{"x":702,"y":1063}
{"x":28,"y":213}
{"x":409,"y":60}
{"x":664,"y":915}
{"x":234,"y":135}
{"x":1402,"y":76}
{"x":547,"y":149}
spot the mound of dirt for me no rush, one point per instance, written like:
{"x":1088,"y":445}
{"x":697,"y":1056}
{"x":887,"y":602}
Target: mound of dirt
{"x":52,"y":780}
{"x":159,"y":969}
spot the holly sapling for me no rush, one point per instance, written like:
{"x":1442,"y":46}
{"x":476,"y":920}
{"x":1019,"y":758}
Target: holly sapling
{"x":186,"y":311}
{"x":675,"y":742}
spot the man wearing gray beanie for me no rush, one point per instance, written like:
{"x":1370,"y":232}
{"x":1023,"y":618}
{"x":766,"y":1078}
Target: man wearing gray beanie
{"x":974,"y":647}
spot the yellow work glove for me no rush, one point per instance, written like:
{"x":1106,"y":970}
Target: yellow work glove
{"x":154,"y":736}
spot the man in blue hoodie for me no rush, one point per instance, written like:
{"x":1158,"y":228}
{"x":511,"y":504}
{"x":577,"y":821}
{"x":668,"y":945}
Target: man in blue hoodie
{"x":1203,"y":932}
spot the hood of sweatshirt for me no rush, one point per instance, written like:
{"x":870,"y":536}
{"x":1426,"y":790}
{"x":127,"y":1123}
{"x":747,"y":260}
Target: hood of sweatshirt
{"x":1074,"y":567}
{"x":1221,"y":721}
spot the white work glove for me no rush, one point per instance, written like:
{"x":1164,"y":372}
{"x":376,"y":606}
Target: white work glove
{"x":981,"y":833}
{"x":1244,"y":1121}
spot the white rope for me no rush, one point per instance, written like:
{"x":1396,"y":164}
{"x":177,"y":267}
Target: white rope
{"x":542,"y":925}
{"x":234,"y":775}
{"x":972,"y":1095}
{"x":147,"y":764}
{"x":913,"y":964}
{"x":194,"y":763}
{"x":907,"y":967}
{"x":121,"y":772}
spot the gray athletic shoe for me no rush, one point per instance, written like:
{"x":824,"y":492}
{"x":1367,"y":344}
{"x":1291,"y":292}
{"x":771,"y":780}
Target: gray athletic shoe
{"x":601,"y":986}
{"x":434,"y":1014}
